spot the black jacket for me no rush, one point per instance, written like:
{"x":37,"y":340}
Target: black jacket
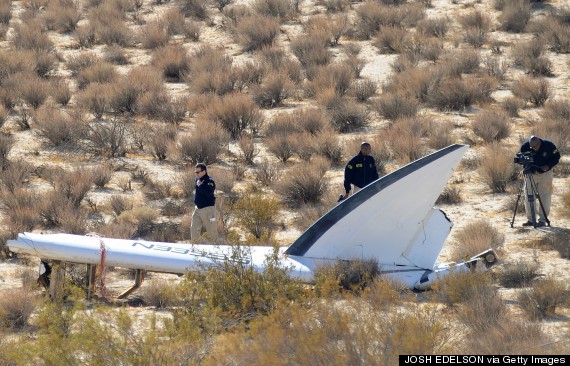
{"x":548,"y":154}
{"x":360,"y":171}
{"x":204,"y":196}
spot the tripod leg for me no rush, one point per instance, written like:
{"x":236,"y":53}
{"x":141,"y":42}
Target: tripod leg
{"x":529,"y":191}
{"x":537,"y":194}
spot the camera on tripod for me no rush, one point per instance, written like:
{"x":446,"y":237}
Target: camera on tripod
{"x":524,"y":158}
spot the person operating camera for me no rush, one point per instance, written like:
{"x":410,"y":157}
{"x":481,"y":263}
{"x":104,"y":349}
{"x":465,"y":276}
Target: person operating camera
{"x":545,"y":156}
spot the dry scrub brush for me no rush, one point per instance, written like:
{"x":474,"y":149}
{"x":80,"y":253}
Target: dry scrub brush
{"x":496,"y":168}
{"x":304,"y":183}
{"x":519,"y":273}
{"x":476,"y":237}
{"x":542,"y":299}
{"x":16,"y":307}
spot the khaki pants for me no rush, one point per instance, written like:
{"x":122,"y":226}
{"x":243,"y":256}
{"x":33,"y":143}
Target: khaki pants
{"x":543,"y":183}
{"x":204,"y":217}
{"x":355,"y":189}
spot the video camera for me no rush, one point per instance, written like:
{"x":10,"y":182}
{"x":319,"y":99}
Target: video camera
{"x":524,"y":158}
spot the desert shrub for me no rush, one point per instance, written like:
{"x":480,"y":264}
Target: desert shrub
{"x":119,"y":204}
{"x":464,"y":61}
{"x":58,"y":127}
{"x":310,"y":50}
{"x":372,"y":16}
{"x":256,"y":214}
{"x":81,"y":61}
{"x":519,"y":273}
{"x":59,"y":91}
{"x":16,"y":307}
{"x":98,"y":72}
{"x":154,"y":35}
{"x":451,"y":94}
{"x":475,"y":19}
{"x":353,"y":275}
{"x":391,"y":39}
{"x":559,"y":241}
{"x":274,"y":89}
{"x":108,"y":137}
{"x":6,"y":144}
{"x":267,"y":172}
{"x":211,"y":72}
{"x":236,"y":113}
{"x":248,"y":149}
{"x":172,"y":60}
{"x":348,"y":116}
{"x":515,"y":15}
{"x":557,"y":130}
{"x":5,"y":12}
{"x":102,"y":174}
{"x":157,"y":189}
{"x":403,"y":138}
{"x":58,"y":209}
{"x":543,"y":298}
{"x":327,"y":144}
{"x":30,"y":88}
{"x":283,"y":9}
{"x":112,"y":30}
{"x":3,"y":115}
{"x":475,"y":238}
{"x":31,"y":37}
{"x":484,"y":309}
{"x":306,"y":185}
{"x":536,"y":91}
{"x":530,"y":56}
{"x":195,"y":8}
{"x":458,"y":286}
{"x":364,"y":89}
{"x":158,"y":293}
{"x":192,"y":31}
{"x":173,"y":21}
{"x":96,"y":99}
{"x":337,"y":77}
{"x":62,"y":16}
{"x":394,"y":106}
{"x":15,"y":173}
{"x":450,"y":195}
{"x":85,"y":35}
{"x":492,"y":125}
{"x":495,"y":67}
{"x":142,"y":217}
{"x":255,"y":32}
{"x":281,"y":145}
{"x":204,"y":144}
{"x":440,"y":134}
{"x":512,"y":105}
{"x":162,"y":141}
{"x":559,"y":38}
{"x":116,"y":55}
{"x":330,"y":27}
{"x":437,"y":27}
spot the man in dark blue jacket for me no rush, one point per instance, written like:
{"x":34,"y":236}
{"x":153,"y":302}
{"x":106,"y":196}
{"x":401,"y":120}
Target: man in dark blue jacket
{"x":205,"y":212}
{"x":546,"y":156}
{"x":360,"y":170}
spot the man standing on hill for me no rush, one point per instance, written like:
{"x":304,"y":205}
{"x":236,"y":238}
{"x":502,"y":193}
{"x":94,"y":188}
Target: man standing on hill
{"x":360,"y":170}
{"x":546,"y":156}
{"x":205,"y":212}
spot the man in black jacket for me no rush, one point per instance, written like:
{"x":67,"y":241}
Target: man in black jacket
{"x":205,"y":212}
{"x":546,"y":156}
{"x":360,"y":170}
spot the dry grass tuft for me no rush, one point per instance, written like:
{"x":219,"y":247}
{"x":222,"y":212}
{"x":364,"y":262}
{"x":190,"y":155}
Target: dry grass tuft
{"x":476,"y":237}
{"x":16,"y":307}
{"x":496,"y":168}
{"x":492,"y":125}
{"x":518,"y":274}
{"x":543,"y":298}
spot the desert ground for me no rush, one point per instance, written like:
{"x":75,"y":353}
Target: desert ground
{"x":171,"y":207}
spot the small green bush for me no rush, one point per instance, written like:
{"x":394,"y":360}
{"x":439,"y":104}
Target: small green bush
{"x":256,"y":214}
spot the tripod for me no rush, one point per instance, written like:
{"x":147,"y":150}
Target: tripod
{"x":531,"y":193}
